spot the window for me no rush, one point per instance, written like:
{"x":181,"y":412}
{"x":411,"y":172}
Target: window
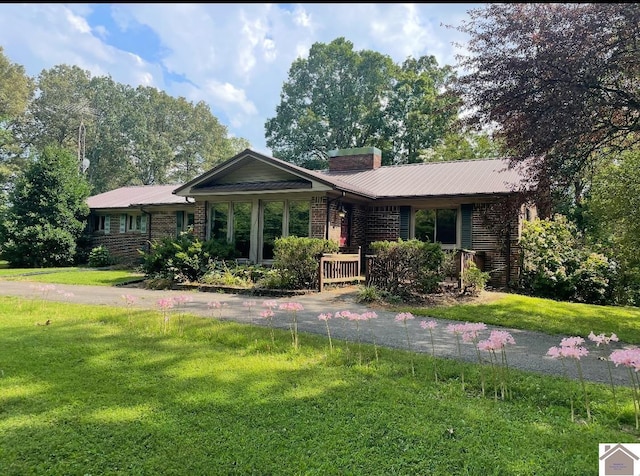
{"x":272,"y":220}
{"x":102,"y":223}
{"x":232,"y":222}
{"x":242,"y":228}
{"x":219,"y":221}
{"x":437,"y":225}
{"x":133,"y":223}
{"x":184,"y":221}
{"x":299,"y":212}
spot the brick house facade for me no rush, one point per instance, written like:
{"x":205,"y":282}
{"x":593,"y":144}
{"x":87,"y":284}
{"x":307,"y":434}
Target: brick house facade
{"x":252,"y":199}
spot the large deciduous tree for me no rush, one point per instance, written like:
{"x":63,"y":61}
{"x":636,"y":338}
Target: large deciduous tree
{"x":560,"y":81}
{"x":339,"y":98}
{"x":128,"y":135}
{"x":16,"y":90}
{"x":47,"y":211}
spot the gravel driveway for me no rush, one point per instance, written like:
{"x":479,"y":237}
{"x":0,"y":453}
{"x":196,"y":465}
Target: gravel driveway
{"x":527,"y":354}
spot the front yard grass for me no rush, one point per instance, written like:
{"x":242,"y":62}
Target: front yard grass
{"x":106,"y":391}
{"x":544,"y":315}
{"x":79,"y":275}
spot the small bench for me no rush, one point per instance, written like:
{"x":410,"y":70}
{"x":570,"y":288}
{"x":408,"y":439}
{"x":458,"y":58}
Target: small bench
{"x":339,"y":268}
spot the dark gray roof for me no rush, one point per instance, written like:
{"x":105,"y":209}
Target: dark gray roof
{"x":461,"y":177}
{"x":125,"y":197}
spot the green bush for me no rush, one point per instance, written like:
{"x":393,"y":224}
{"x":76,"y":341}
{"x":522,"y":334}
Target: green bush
{"x":296,"y":259}
{"x":39,"y":246}
{"x":406,"y":268}
{"x":180,"y":260}
{"x":473,"y":279}
{"x":100,"y":257}
{"x":368,"y":294}
{"x":557,"y":264}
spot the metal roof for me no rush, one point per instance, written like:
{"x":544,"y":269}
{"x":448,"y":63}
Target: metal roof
{"x":125,"y":197}
{"x":460,"y":177}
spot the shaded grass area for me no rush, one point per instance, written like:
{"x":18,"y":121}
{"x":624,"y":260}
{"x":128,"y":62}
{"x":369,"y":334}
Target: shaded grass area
{"x":545,"y":315}
{"x":83,"y":276}
{"x":104,"y":391}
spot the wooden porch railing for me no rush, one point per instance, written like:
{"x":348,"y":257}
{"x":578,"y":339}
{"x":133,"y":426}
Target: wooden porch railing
{"x":339,"y":268}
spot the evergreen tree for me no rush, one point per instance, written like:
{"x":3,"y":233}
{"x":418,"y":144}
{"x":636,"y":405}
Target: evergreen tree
{"x":46,"y":211}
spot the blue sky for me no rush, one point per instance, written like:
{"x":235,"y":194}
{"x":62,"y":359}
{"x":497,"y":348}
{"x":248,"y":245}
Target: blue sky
{"x":235,"y":57}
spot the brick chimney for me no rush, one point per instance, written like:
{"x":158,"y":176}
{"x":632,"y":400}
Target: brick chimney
{"x":362,"y":158}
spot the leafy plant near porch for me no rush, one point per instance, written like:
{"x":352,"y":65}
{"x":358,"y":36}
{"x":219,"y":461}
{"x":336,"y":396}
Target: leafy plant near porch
{"x":296,"y":260}
{"x":183,"y":259}
{"x":406,"y":268}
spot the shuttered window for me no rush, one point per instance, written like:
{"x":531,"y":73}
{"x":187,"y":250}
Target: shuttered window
{"x":466,"y":212}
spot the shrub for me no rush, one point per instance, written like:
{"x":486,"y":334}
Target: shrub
{"x":100,"y":257}
{"x":473,"y":279}
{"x":406,"y":268}
{"x":296,"y":258}
{"x":368,"y":294}
{"x":39,"y":246}
{"x":557,"y":264}
{"x":179,"y":260}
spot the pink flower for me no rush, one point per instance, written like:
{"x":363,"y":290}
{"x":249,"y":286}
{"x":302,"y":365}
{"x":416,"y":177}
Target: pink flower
{"x":291,"y":306}
{"x":428,"y":324}
{"x":403,"y":317}
{"x":497,"y":341}
{"x":602,"y":339}
{"x":368,"y":315}
{"x":181,"y":299}
{"x":456,"y":328}
{"x":570,"y":348}
{"x":214,"y":305}
{"x":165,"y":303}
{"x":129,"y":299}
{"x":267,"y":313}
{"x":626,"y":357}
{"x":249,"y":304}
{"x":571,"y":341}
{"x":270,"y":304}
{"x":325,"y":316}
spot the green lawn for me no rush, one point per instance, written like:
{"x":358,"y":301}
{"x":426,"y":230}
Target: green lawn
{"x":545,"y":315}
{"x":86,"y":276}
{"x":105,"y":391}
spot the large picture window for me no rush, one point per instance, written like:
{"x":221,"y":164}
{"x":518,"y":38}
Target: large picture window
{"x":437,"y":226}
{"x":242,"y":228}
{"x":299,"y":218}
{"x":219,"y":221}
{"x":272,"y":219}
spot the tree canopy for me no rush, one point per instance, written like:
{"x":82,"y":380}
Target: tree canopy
{"x":16,"y":90}
{"x":559,"y":81}
{"x":129,"y":136}
{"x":339,"y":98}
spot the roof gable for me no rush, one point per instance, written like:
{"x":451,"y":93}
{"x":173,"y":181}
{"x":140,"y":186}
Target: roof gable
{"x":251,"y":171}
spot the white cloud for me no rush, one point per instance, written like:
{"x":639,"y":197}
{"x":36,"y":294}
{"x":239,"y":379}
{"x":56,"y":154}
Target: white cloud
{"x":78,"y":23}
